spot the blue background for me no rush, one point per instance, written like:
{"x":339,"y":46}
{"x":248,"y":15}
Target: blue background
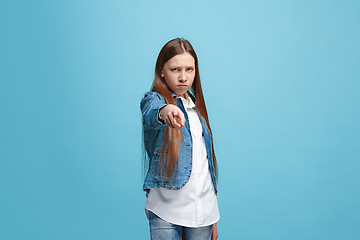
{"x":281,"y":83}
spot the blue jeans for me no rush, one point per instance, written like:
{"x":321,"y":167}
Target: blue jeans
{"x":163,"y":230}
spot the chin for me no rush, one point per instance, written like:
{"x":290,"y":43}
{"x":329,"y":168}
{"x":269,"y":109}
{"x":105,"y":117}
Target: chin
{"x":180,"y":93}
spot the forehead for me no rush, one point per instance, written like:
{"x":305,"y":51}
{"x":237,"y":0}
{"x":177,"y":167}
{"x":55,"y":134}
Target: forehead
{"x":183,"y":59}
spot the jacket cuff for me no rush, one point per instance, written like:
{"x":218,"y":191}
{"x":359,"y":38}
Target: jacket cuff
{"x":159,"y":118}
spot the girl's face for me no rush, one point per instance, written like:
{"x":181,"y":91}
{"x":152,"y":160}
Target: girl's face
{"x":179,"y":73}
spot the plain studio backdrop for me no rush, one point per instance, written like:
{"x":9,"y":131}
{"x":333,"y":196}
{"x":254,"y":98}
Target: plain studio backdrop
{"x":281,"y":84}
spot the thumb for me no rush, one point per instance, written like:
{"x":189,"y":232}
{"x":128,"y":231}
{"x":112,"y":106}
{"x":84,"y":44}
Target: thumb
{"x":180,"y":118}
{"x":183,"y":120}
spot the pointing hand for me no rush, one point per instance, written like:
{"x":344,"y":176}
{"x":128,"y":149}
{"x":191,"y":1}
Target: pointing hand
{"x":173,"y":116}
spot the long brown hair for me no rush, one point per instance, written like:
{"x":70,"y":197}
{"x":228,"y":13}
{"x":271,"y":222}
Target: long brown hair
{"x":172,"y":137}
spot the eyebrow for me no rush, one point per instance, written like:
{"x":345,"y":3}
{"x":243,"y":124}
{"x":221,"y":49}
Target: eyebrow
{"x":180,"y":66}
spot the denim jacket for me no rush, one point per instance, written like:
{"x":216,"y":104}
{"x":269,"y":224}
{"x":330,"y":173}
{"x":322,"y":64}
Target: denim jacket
{"x":154,"y":129}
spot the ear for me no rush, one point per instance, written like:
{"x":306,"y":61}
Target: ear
{"x":162,"y":74}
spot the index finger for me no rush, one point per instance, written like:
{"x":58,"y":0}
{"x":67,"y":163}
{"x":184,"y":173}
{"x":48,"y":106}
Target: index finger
{"x":181,"y":117}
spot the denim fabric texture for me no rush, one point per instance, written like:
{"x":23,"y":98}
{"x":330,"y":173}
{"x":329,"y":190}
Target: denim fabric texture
{"x":154,"y":129}
{"x":163,"y":230}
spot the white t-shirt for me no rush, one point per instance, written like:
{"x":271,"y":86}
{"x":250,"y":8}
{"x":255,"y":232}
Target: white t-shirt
{"x":195,"y":204}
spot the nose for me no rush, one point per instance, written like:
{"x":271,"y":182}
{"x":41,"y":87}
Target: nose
{"x":182,"y":76}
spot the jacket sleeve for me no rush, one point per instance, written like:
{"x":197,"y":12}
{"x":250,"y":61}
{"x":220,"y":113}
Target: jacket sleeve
{"x":150,"y":105}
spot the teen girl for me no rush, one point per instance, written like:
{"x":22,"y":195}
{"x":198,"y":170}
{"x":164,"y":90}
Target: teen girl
{"x":180,"y":183}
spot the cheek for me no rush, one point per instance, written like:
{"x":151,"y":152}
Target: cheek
{"x":169,"y":79}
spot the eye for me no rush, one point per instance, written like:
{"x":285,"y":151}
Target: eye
{"x":190,"y":69}
{"x":174,"y":69}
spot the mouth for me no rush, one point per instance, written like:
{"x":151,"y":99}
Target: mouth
{"x":182,"y":86}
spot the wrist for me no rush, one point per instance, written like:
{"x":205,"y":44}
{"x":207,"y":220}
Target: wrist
{"x":159,"y":115}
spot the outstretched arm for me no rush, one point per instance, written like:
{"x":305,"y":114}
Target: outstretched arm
{"x":150,"y":105}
